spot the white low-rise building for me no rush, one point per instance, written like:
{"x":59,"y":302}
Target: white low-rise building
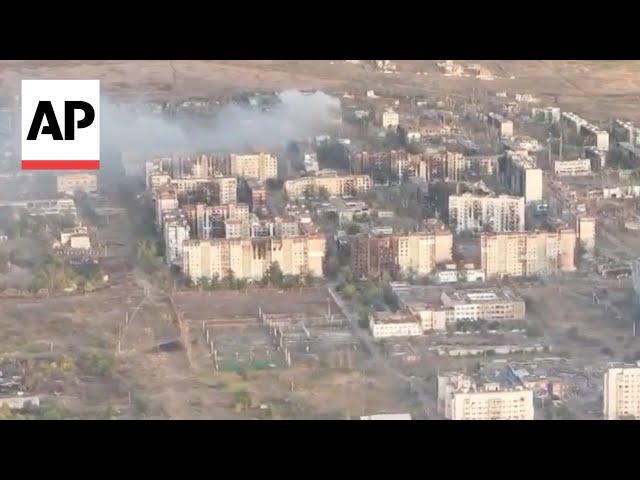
{"x":387,"y":324}
{"x":573,"y":168}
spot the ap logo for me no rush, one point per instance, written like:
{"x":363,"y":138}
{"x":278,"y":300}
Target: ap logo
{"x":60,"y":124}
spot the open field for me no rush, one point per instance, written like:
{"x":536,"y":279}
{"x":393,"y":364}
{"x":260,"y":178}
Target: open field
{"x":596,"y":89}
{"x":247,"y":303}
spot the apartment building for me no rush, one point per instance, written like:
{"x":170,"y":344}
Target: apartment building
{"x":225,"y":190}
{"x":586,"y":232}
{"x":520,"y":174}
{"x":490,"y":304}
{"x":397,"y":162}
{"x":524,"y":253}
{"x":461,"y":397}
{"x":416,"y":252}
{"x":546,"y":114}
{"x":249,"y":258}
{"x":206,"y":221}
{"x":388,"y":324}
{"x":69,"y":183}
{"x":621,"y":392}
{"x":329,"y":180}
{"x":260,"y":166}
{"x":166,"y":200}
{"x":175,"y":230}
{"x":256,"y":194}
{"x":502,"y":125}
{"x":501,"y":213}
{"x":591,"y":133}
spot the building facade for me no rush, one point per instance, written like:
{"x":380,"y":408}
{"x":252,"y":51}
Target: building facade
{"x":249,"y":258}
{"x":335,"y":185}
{"x":502,"y":213}
{"x":460,"y":397}
{"x":260,"y":166}
{"x":418,"y":253}
{"x":387,"y":324}
{"x":621,"y":393}
{"x":521,"y":175}
{"x":69,"y":183}
{"x":519,"y":254}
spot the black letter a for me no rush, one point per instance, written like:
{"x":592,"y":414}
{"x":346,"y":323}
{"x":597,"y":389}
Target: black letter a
{"x":45,"y":109}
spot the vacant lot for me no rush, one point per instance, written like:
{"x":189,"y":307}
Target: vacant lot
{"x":246,"y":303}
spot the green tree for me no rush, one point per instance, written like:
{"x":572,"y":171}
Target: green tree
{"x":349,"y":291}
{"x":273,"y":277}
{"x":229,"y":280}
{"x":204,"y":283}
{"x":146,"y":253}
{"x":97,"y":363}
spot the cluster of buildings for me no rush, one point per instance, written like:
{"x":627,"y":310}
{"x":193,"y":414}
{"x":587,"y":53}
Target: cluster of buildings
{"x":511,"y":391}
{"x":428,"y":309}
{"x":209,"y":233}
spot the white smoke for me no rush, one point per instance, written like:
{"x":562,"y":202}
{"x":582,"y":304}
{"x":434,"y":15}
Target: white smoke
{"x":234,"y":128}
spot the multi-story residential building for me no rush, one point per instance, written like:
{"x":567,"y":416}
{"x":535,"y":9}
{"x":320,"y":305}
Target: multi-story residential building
{"x":330,"y":181}
{"x":256,"y":193}
{"x":157,"y":180}
{"x":249,"y":258}
{"x":501,"y":213}
{"x":69,"y":183}
{"x":527,"y":253}
{"x":395,"y":162}
{"x":520,"y":174}
{"x":190,"y":184}
{"x":260,"y":166}
{"x":586,"y":232}
{"x":225,"y":190}
{"x":488,"y":304}
{"x":207,"y":221}
{"x":237,"y":229}
{"x":621,"y":393}
{"x":504,"y":127}
{"x":388,"y":324}
{"x":166,"y":200}
{"x":414,"y":252}
{"x":546,"y":114}
{"x":175,"y":229}
{"x":461,"y":397}
{"x":591,"y":133}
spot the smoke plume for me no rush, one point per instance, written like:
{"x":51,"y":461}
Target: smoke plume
{"x":235,"y":127}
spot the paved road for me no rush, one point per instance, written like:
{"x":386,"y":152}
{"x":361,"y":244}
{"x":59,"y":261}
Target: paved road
{"x":416,"y":384}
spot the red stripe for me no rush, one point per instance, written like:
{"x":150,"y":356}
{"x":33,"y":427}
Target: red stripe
{"x":60,"y":164}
